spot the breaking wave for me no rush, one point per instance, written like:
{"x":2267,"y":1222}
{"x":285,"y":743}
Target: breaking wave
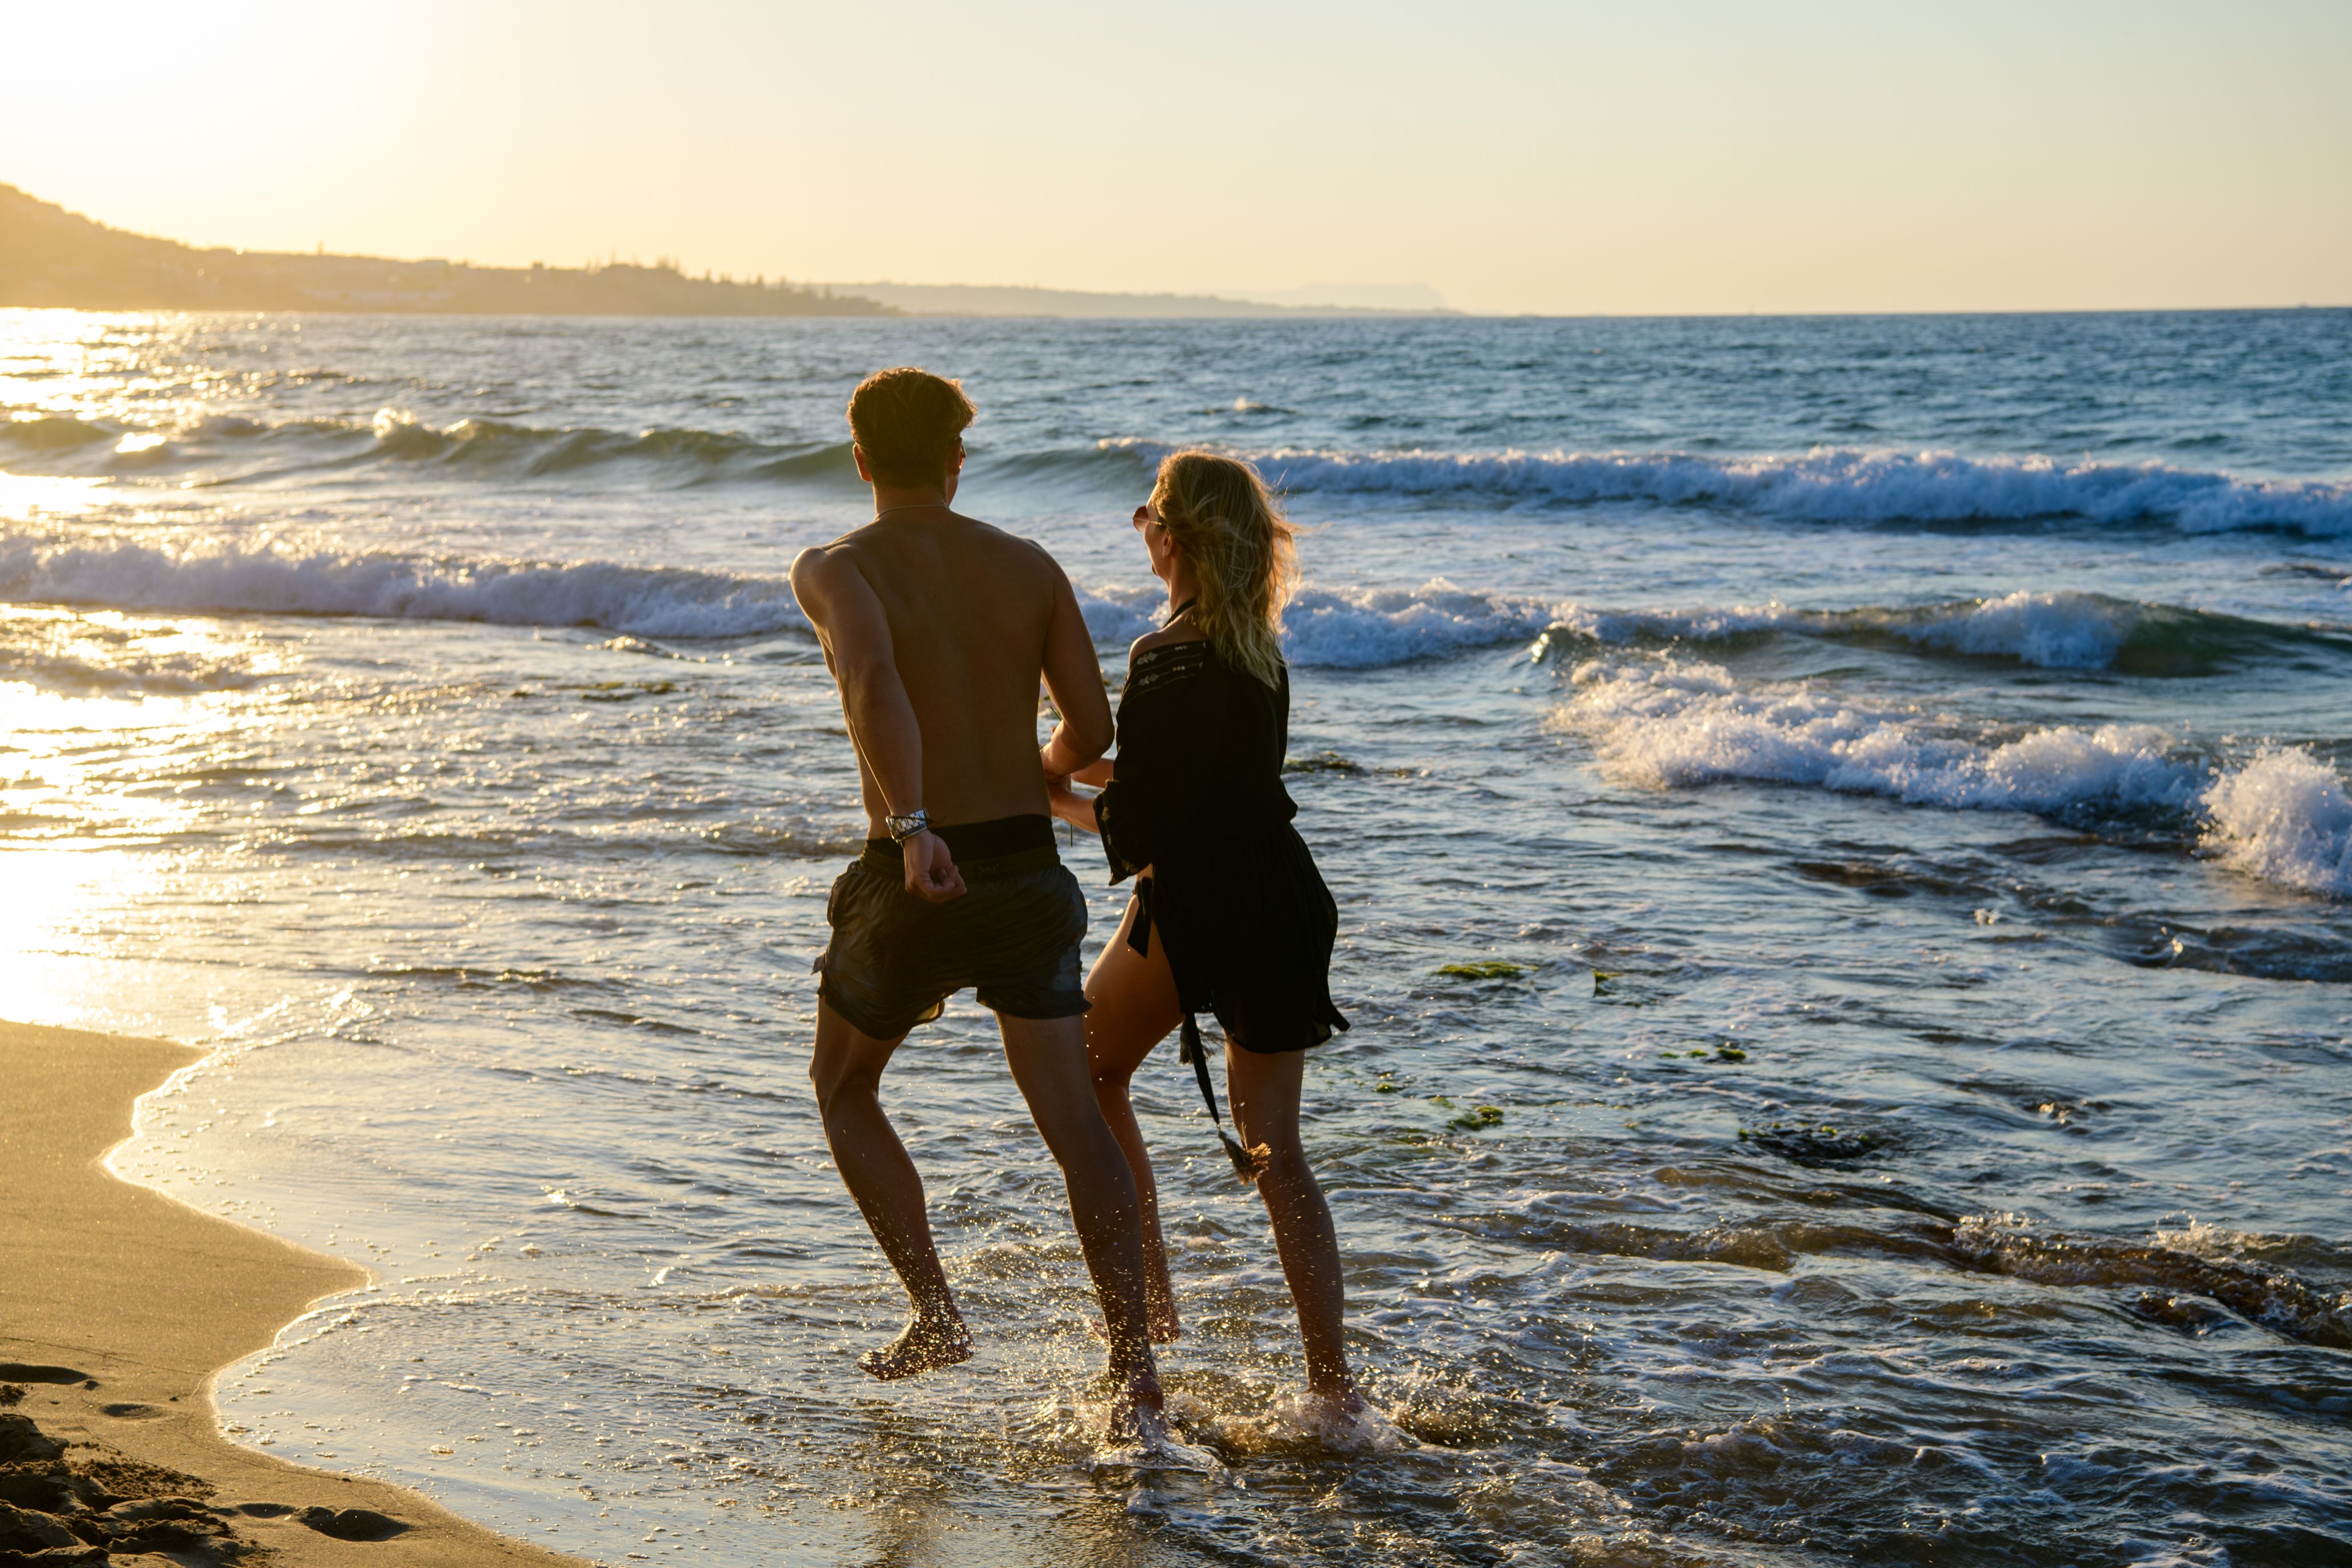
{"x":2048,"y":630}
{"x":1845,"y":486}
{"x":646,"y":600}
{"x":1327,"y":627}
{"x":2285,"y":818}
{"x":1829,"y":484}
{"x":2282,"y":816}
{"x":1826,"y":485}
{"x":231,"y":448}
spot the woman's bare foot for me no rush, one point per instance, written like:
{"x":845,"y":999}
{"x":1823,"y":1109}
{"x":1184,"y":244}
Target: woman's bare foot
{"x":924,"y":1345}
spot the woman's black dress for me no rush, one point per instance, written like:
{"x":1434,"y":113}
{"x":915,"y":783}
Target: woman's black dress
{"x":1196,"y":796}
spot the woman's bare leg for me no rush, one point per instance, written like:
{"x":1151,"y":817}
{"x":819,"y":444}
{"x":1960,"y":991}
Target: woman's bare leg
{"x":1134,"y":1008}
{"x":1264,"y":1091}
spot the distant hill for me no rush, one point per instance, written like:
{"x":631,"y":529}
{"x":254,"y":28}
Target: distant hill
{"x":51,"y":257}
{"x":970,"y":300}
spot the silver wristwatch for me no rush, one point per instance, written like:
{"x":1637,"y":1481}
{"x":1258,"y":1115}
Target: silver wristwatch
{"x":902,"y":828}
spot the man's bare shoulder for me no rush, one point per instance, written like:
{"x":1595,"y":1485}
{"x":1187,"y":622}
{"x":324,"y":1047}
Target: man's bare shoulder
{"x":842,"y":546}
{"x":1009,"y":559}
{"x":1013,"y":546}
{"x":819,"y":562}
{"x":829,"y":579}
{"x":837,"y":559}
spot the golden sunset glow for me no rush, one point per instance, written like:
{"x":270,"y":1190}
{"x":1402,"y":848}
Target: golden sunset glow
{"x":1516,"y":157}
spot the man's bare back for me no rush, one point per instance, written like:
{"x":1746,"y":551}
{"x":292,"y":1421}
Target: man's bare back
{"x":973,"y":615}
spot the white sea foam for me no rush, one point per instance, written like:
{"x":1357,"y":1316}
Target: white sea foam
{"x":1828,"y":485}
{"x":1116,"y":615}
{"x":1673,"y":722}
{"x":1334,"y":629}
{"x":2284,"y":816}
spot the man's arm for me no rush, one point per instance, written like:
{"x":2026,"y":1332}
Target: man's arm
{"x":1074,"y":676}
{"x":856,"y":635}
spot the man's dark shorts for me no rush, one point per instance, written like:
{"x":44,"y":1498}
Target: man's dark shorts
{"x":1012,"y":937}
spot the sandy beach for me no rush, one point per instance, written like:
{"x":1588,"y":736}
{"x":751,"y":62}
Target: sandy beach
{"x":117,"y":1307}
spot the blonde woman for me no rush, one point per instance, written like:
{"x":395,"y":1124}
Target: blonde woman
{"x":1229,"y":915}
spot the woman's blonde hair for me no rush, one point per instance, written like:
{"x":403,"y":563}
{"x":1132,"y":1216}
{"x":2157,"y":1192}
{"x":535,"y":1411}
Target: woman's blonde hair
{"x":1218,"y":512}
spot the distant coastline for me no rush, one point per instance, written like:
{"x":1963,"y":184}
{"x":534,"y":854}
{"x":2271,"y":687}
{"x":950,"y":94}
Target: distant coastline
{"x":976,"y":299}
{"x":49,"y":257}
{"x":52,"y":258}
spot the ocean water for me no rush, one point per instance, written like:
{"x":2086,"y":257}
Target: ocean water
{"x":1892,"y":773}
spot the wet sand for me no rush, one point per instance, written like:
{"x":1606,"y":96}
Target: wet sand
{"x":117,"y":1306}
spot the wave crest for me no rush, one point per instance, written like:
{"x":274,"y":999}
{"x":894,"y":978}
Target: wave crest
{"x":1827,"y":485}
{"x":226,"y":447}
{"x":2060,"y":630}
{"x":644,"y":601}
{"x":1675,"y":723}
{"x":1329,"y":628}
{"x":2284,"y":816}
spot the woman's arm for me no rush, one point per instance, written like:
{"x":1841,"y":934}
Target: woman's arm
{"x":1097,"y":773}
{"x":1077,"y":810}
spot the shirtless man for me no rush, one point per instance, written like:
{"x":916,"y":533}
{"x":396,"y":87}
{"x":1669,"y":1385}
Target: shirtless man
{"x":936,"y":627}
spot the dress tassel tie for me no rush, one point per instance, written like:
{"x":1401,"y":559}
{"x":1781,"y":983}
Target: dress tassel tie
{"x":1244,"y":1166}
{"x":1138,"y":937}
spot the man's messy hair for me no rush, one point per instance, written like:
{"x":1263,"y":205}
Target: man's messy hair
{"x":907,"y":422}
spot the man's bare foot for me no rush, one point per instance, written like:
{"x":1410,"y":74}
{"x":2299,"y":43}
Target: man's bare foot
{"x":1138,"y":1414}
{"x":1342,"y":1406}
{"x":925,"y":1345}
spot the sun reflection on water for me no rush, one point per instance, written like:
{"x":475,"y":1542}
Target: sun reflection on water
{"x":62,"y":908}
{"x":105,"y":711}
{"x":27,"y":498}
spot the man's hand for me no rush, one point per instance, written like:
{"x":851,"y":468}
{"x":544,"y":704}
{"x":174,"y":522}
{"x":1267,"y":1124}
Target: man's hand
{"x":932,"y":873}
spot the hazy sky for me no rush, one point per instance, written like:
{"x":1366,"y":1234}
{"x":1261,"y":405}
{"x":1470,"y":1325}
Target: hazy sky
{"x":1556,"y":157}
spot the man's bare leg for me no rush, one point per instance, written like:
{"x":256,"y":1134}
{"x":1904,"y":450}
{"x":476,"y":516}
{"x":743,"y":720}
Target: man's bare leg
{"x":1048,"y":1057}
{"x":874,"y":1166}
